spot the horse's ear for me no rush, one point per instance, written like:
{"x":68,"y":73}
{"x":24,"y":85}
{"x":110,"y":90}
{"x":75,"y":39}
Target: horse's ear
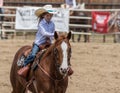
{"x":69,"y":35}
{"x":55,"y":35}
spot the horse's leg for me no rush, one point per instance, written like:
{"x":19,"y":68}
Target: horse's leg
{"x":73,"y":38}
{"x":13,"y":91}
{"x":18,"y":88}
{"x":79,"y":36}
{"x":16,"y":85}
{"x":17,"y":91}
{"x":86,"y":37}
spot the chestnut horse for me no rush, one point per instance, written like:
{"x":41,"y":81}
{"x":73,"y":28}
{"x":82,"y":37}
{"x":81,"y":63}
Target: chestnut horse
{"x":51,"y":74}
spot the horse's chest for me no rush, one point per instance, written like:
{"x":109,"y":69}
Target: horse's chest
{"x":52,"y":87}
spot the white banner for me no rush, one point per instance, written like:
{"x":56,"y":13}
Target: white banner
{"x":26,"y":19}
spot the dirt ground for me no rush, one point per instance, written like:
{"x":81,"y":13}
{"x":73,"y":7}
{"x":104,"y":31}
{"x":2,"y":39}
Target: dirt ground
{"x":96,"y":66}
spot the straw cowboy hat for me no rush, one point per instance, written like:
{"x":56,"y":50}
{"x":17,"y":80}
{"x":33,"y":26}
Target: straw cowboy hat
{"x":45,"y":9}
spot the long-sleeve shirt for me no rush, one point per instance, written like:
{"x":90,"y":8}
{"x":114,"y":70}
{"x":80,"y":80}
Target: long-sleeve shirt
{"x":45,"y":30}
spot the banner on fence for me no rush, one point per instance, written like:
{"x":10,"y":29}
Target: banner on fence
{"x":26,"y":19}
{"x":100,"y":21}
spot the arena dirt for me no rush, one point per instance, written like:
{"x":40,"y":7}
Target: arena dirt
{"x":96,"y":66}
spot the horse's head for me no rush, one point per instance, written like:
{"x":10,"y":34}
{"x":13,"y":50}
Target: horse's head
{"x":62,"y":52}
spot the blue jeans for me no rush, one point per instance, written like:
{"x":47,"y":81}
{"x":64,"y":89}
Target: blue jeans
{"x":32,"y":55}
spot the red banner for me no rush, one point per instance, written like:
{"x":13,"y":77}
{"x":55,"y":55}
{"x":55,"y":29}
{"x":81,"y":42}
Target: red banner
{"x":100,"y":21}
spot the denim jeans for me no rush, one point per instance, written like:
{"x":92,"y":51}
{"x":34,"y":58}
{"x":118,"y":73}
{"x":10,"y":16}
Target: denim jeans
{"x":32,"y":55}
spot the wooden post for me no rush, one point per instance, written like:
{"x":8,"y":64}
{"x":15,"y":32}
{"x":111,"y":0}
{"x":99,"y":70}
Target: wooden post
{"x":104,"y":38}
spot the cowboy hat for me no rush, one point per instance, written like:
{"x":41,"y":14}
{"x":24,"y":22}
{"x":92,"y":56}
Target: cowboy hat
{"x":45,"y":9}
{"x":40,"y":11}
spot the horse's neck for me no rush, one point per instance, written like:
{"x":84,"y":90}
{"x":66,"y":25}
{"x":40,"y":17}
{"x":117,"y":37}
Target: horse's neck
{"x":47,"y":61}
{"x":48,"y":64}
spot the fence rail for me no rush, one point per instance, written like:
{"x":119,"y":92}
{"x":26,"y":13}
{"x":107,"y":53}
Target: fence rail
{"x":11,"y":23}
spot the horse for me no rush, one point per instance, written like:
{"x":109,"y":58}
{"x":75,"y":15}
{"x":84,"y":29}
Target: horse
{"x":79,"y":21}
{"x":51,"y":73}
{"x":79,"y":29}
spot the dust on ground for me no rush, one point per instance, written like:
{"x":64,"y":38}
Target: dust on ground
{"x":96,"y":66}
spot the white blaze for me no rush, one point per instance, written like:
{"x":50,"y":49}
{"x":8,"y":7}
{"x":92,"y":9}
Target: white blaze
{"x":64,"y":47}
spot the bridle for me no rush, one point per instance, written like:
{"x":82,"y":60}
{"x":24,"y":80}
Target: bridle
{"x":56,"y":57}
{"x":55,"y":53}
{"x":47,"y":74}
{"x":57,"y":64}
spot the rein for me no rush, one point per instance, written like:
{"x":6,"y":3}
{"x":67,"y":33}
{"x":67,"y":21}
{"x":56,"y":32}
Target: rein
{"x":57,"y":65}
{"x":47,"y":74}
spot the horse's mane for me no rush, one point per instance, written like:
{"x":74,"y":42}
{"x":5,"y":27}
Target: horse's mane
{"x":56,"y":42}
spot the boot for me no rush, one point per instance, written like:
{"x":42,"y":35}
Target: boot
{"x":23,"y":72}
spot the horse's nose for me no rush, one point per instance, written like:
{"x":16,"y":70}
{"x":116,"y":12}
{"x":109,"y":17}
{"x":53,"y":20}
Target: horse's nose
{"x":63,"y":70}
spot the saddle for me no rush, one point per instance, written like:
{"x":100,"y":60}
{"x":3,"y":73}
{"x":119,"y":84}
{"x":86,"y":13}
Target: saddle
{"x":23,"y":71}
{"x":42,"y":47}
